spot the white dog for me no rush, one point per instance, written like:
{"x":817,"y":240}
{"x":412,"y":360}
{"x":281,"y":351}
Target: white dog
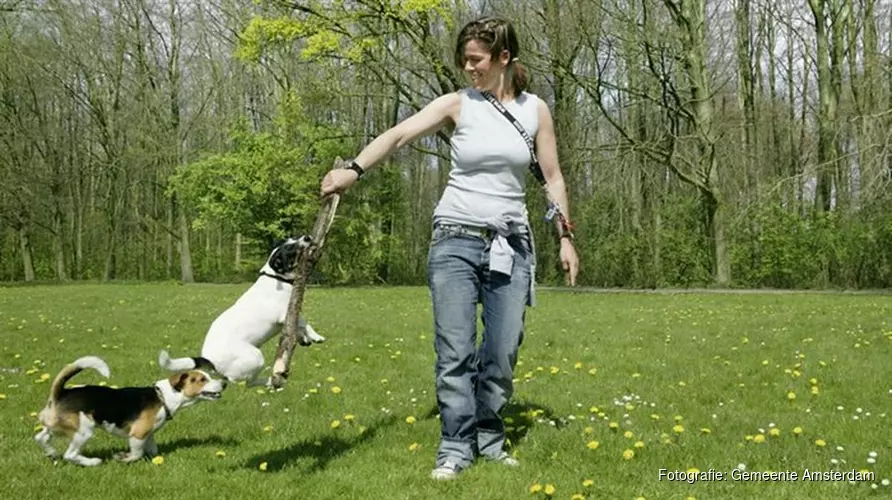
{"x":234,"y":338}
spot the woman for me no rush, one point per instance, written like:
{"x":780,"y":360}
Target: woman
{"x":481,"y":248}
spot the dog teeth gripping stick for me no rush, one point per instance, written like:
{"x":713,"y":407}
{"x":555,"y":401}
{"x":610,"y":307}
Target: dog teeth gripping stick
{"x":303,"y":264}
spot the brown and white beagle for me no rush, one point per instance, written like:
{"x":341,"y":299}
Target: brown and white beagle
{"x":135,"y":413}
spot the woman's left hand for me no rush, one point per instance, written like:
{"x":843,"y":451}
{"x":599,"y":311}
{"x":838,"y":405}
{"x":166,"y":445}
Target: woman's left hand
{"x":569,"y":260}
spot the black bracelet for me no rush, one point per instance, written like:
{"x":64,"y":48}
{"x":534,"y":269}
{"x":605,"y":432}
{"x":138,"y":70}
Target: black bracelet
{"x":356,"y":168}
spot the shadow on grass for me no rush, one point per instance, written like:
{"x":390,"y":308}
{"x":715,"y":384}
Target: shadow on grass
{"x":169,"y":446}
{"x":518,"y":417}
{"x":321,"y":450}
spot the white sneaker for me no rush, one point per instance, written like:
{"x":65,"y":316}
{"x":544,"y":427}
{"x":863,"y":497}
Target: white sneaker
{"x":507,"y":459}
{"x":447,"y":470}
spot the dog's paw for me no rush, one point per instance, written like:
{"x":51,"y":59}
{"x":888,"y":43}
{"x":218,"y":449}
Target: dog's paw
{"x":90,"y":462}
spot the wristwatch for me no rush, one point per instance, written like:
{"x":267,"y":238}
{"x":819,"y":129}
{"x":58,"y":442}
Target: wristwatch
{"x":356,"y":168}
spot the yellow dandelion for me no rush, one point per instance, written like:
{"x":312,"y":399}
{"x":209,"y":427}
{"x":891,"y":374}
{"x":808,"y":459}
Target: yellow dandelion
{"x":312,"y":390}
{"x":678,"y":428}
{"x":594,"y":409}
{"x":410,"y":420}
{"x":682,"y":383}
{"x":748,"y":438}
{"x":336,"y":390}
{"x":628,"y":455}
{"x":45,"y":376}
{"x":384,"y":380}
{"x":554,"y":370}
{"x":220,"y":454}
{"x":588,"y":483}
{"x":628,"y":435}
{"x":705,"y":430}
{"x":588,"y":430}
{"x":361,"y":429}
{"x":349,"y":418}
{"x":535,"y":488}
{"x":636,"y":375}
{"x":764,"y":362}
{"x":414,"y":446}
{"x":791,"y":395}
{"x":330,"y":379}
{"x":815,"y":390}
{"x":593,"y":371}
{"x":813,"y":381}
{"x":823,"y":364}
{"x":549,"y":489}
{"x":335,"y":424}
{"x":678,"y":418}
{"x":262,"y":466}
{"x":820,"y":442}
{"x":2,"y":396}
{"x":639,"y":444}
{"x":693,"y":470}
{"x":774,"y":432}
{"x":654,"y":416}
{"x":613,"y":425}
{"x":797,"y":430}
{"x":268,"y":428}
{"x":577,"y":496}
{"x":577,"y":365}
{"x":158,"y":460}
{"x":593,"y":445}
{"x":759,"y":438}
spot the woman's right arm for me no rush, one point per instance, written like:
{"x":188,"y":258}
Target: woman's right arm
{"x":441,"y":112}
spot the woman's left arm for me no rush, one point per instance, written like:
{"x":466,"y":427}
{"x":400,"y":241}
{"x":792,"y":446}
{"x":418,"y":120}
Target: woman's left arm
{"x":546,"y":150}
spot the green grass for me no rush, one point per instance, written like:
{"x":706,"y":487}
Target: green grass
{"x":698,"y":357}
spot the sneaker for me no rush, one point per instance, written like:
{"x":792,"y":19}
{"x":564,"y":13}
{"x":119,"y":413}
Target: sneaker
{"x":447,"y":470}
{"x":507,"y":460}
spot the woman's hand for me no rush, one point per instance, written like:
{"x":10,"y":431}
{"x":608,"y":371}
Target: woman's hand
{"x":337,"y":180}
{"x":569,"y":260}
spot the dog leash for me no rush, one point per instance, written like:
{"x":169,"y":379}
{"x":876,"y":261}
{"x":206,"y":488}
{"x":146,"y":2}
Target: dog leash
{"x":553,"y":207}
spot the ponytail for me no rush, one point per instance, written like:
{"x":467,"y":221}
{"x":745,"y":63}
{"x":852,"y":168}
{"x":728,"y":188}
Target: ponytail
{"x":519,"y":79}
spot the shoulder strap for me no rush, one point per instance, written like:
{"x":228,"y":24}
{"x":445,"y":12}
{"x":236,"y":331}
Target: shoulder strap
{"x":553,"y":207}
{"x":535,"y":169}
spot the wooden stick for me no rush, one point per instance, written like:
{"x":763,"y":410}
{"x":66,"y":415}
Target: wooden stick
{"x":304,"y":262}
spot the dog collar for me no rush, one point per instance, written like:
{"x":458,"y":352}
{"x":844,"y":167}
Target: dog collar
{"x":277,"y":277}
{"x":163,"y":403}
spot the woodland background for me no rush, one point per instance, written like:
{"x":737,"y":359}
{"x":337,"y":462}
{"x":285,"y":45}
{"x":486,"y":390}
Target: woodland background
{"x":720,"y":143}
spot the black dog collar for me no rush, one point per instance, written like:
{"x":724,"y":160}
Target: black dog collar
{"x":277,"y":277}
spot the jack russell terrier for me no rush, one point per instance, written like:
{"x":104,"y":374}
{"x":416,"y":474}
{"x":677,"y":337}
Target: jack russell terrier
{"x":136,"y":413}
{"x":232,"y":344}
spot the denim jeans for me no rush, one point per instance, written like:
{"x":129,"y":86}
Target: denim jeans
{"x":474,"y":384}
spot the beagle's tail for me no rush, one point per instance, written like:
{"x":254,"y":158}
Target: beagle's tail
{"x":73,"y":369}
{"x":183,"y":364}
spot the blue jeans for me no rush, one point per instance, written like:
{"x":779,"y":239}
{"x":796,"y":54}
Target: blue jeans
{"x":474,"y":384}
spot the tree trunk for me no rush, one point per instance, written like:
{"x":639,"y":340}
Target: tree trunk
{"x":25,"y":247}
{"x":186,"y":275}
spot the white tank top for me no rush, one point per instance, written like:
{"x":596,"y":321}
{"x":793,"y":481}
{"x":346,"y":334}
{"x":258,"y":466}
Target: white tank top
{"x":490,"y":161}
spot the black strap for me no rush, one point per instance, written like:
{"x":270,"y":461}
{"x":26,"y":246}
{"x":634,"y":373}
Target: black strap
{"x":535,"y":168}
{"x":277,"y":277}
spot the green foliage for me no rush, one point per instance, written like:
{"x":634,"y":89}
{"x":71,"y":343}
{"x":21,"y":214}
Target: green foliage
{"x":267,"y":185}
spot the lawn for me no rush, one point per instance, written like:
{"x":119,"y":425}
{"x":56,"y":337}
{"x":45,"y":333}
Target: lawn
{"x":775,"y":382}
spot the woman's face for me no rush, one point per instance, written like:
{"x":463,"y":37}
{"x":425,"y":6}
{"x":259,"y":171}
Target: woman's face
{"x":483,"y":72}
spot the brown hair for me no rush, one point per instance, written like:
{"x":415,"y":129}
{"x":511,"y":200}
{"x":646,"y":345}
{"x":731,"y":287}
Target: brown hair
{"x":497,"y":35}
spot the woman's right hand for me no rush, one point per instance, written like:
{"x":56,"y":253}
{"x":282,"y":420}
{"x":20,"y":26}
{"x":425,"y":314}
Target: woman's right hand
{"x":337,"y":180}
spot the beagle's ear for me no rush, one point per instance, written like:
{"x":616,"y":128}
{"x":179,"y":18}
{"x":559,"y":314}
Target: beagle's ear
{"x":178,"y":380}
